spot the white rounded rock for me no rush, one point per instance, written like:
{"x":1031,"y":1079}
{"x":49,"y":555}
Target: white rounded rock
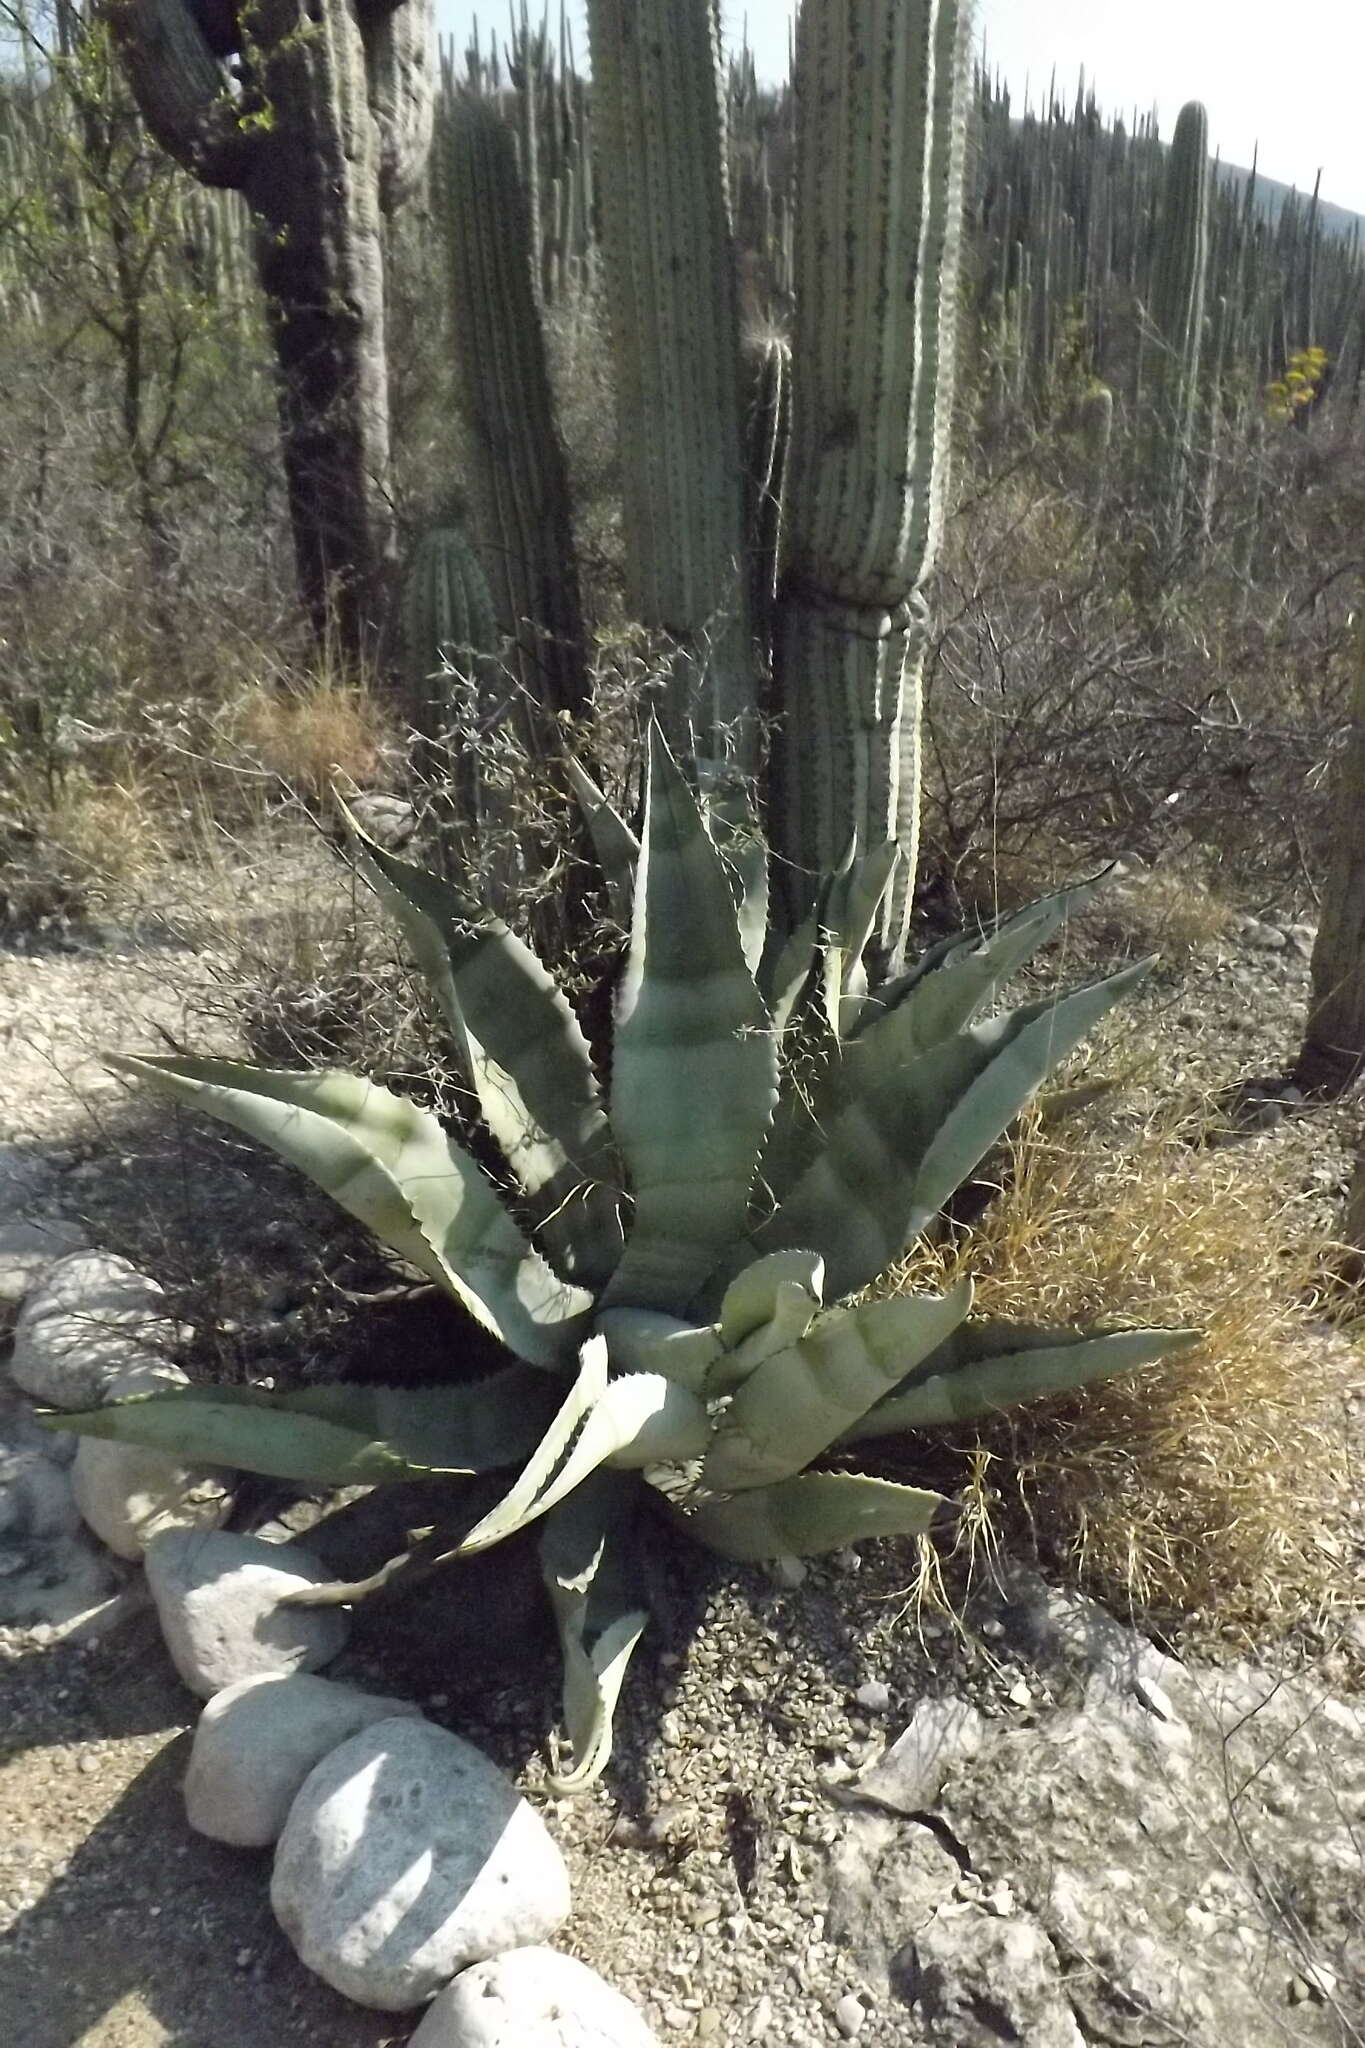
{"x":532,"y":1998}
{"x":128,"y":1495}
{"x":90,"y":1317}
{"x":407,"y":1856}
{"x":219,"y":1600}
{"x":256,"y":1743}
{"x":27,"y":1250}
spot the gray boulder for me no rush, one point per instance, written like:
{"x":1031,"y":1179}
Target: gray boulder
{"x":256,"y":1743}
{"x":1098,"y":1872}
{"x":90,"y":1317}
{"x":975,"y":1981}
{"x":219,"y":1600}
{"x":532,"y":1998}
{"x":51,"y":1573}
{"x":407,"y":1856}
{"x":911,"y":1774}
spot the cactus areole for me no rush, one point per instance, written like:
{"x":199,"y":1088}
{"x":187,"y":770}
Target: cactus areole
{"x":323,"y":128}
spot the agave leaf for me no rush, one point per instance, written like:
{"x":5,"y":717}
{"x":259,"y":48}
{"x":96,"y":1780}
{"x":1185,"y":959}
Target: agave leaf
{"x":851,"y":910}
{"x":955,"y":980}
{"x":795,"y":1135}
{"x":752,"y":1299}
{"x":801,"y":1400}
{"x":900,"y":1132}
{"x":335,"y":1435}
{"x":530,"y":1062}
{"x":785,"y":970}
{"x":616,"y":847}
{"x":640,"y":1420}
{"x":391,"y":1165}
{"x":641,"y":1340}
{"x":813,"y":1513}
{"x":693,"y":1063}
{"x":587,"y":1559}
{"x":987,"y":1366}
{"x":728,"y":814}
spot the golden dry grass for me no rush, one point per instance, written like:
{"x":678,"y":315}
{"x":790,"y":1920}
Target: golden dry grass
{"x":309,"y":734}
{"x":105,"y":834}
{"x":1205,"y":1487}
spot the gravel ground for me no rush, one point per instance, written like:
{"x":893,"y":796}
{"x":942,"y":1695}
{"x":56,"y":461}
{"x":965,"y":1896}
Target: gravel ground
{"x":120,"y":1929}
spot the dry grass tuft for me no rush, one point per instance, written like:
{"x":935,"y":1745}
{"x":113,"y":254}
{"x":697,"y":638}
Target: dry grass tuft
{"x":1209,"y":1486}
{"x":310,"y":734}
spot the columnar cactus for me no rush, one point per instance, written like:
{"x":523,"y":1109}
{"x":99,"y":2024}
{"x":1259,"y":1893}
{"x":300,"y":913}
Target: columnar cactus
{"x":670,"y":276}
{"x":881,"y":131}
{"x":448,"y":637}
{"x":1333,"y":1052}
{"x":518,"y":460}
{"x":1177,"y":311}
{"x":325,"y":130}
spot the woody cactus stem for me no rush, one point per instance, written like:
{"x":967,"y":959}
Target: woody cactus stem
{"x":327,"y":130}
{"x":881,"y":89}
{"x":1177,"y":309}
{"x":659,"y":120}
{"x":1332,"y":1056}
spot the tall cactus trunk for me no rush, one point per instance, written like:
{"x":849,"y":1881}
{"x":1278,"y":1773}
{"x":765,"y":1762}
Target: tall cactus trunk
{"x":320,"y":264}
{"x":1333,"y":1052}
{"x":1177,"y":312}
{"x":327,"y":132}
{"x":521,"y":472}
{"x":881,"y":100}
{"x":672,"y":291}
{"x":520,"y":475}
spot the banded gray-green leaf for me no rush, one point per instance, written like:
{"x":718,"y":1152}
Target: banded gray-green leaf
{"x":813,"y":1513}
{"x":693,"y":1063}
{"x":338,"y":1434}
{"x":987,"y":1366}
{"x":393,"y":1167}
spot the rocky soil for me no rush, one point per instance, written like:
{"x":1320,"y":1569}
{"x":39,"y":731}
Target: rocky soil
{"x":1076,"y":1839}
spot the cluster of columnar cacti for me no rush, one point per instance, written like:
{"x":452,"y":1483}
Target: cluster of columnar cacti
{"x":1072,"y":220}
{"x":796,"y":552}
{"x":323,"y":128}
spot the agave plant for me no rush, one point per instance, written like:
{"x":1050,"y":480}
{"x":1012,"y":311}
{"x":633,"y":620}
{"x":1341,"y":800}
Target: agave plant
{"x":664,"y":1262}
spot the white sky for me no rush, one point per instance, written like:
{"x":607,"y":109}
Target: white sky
{"x":1292,"y":79}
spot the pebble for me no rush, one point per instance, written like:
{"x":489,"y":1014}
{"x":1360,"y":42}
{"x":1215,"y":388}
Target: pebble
{"x":874,"y":1697}
{"x":849,"y":2015}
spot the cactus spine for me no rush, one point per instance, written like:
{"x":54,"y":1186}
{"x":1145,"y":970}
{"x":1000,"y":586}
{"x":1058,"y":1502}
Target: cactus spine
{"x":881,"y":134}
{"x":328,"y":131}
